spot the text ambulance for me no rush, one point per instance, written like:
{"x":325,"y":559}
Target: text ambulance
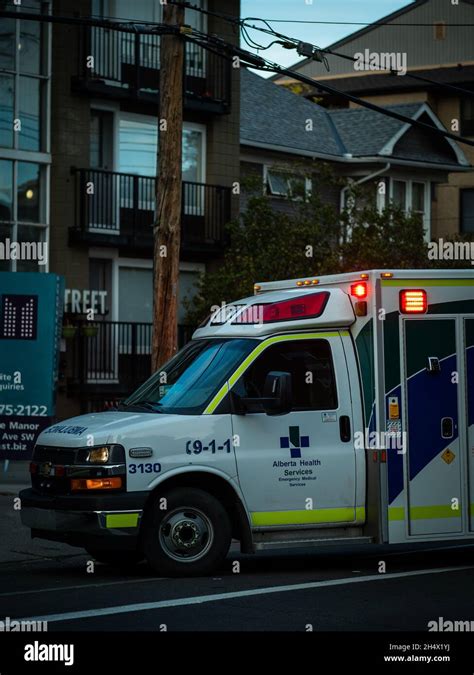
{"x":326,"y":410}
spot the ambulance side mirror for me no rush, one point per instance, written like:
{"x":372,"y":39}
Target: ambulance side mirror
{"x":277,"y":398}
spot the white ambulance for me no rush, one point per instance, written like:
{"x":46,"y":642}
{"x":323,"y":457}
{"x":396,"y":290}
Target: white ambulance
{"x":325,"y":410}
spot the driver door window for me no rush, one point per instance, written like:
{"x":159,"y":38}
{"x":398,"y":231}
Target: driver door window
{"x":311,"y":367}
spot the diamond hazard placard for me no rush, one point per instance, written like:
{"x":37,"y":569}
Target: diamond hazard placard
{"x":448,"y":456}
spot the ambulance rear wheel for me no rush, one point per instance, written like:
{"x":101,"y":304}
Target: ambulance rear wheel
{"x":191,"y":536}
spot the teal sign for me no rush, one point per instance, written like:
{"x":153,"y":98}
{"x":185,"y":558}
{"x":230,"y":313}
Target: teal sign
{"x":31,"y":306}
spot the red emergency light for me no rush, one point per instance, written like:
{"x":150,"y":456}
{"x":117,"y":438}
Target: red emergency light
{"x":359,"y":290}
{"x":308,"y":306}
{"x":413,"y":301}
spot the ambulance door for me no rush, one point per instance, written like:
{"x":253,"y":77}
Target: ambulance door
{"x":299,"y":468}
{"x":434,"y":448}
{"x":469,"y":356}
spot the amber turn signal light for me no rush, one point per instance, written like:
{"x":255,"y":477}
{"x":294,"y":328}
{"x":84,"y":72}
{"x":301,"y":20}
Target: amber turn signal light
{"x":96,"y":483}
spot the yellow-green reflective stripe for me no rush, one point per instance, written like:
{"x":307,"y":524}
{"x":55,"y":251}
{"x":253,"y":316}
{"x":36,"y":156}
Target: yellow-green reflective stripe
{"x":472,"y":510}
{"x":427,"y":282}
{"x":426,"y":512}
{"x":341,"y":515}
{"x":253,"y":355}
{"x":396,"y":513}
{"x":430,"y":512}
{"x":121,"y":520}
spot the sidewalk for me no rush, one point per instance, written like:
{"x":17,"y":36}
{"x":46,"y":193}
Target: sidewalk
{"x":16,"y":544}
{"x":16,"y":478}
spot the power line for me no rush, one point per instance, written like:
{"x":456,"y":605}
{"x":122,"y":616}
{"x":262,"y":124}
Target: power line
{"x":366,"y":23}
{"x":289,"y":43}
{"x":125,"y":27}
{"x":260,"y":63}
{"x":253,"y":60}
{"x":234,"y":19}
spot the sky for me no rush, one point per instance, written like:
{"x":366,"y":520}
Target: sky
{"x":313,"y":10}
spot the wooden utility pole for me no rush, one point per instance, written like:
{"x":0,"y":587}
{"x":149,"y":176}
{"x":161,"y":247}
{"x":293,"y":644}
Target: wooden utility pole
{"x":167,"y":226}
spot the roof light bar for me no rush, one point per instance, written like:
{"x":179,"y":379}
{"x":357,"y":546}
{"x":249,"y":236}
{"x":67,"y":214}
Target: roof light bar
{"x":308,"y":306}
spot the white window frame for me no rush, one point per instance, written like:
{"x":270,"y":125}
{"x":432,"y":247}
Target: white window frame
{"x":269,"y":168}
{"x":409,"y":197}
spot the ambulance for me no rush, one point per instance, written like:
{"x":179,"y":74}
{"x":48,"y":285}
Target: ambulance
{"x":329,"y":410}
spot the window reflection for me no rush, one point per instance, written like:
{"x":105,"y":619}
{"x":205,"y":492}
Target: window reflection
{"x":6,"y":190}
{"x":6,"y":111}
{"x":28,"y":192}
{"x":29,"y":47}
{"x":7,"y":44}
{"x":30,"y":113}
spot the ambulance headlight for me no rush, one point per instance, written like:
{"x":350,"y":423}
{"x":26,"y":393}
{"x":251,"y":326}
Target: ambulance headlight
{"x":102,"y":454}
{"x":99,"y":455}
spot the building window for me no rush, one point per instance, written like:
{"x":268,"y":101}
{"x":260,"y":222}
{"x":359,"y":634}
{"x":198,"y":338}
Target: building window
{"x":467,"y":211}
{"x":399,"y":194}
{"x":439,"y":30}
{"x":24,"y":142}
{"x":467,"y":117}
{"x":23,"y":79}
{"x":283,"y":184}
{"x":138,"y":149}
{"x":418,"y":198}
{"x":411,"y":196}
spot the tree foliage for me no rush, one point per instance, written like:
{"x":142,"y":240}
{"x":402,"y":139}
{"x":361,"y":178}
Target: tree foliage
{"x":310,"y":237}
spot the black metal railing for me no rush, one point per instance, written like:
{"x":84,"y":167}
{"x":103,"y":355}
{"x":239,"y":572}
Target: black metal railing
{"x":132,"y":62}
{"x":112,"y":357}
{"x":122,"y":204}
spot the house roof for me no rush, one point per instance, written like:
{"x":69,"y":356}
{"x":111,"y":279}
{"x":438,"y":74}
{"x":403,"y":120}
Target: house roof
{"x":273,"y":117}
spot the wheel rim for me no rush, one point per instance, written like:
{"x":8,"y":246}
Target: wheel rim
{"x":186,"y":534}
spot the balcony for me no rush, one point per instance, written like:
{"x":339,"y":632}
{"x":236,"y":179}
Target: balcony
{"x":120,"y":212}
{"x":109,"y":359}
{"x":127,"y":66}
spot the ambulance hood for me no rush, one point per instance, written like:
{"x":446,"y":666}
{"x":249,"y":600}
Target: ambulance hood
{"x":98,"y":428}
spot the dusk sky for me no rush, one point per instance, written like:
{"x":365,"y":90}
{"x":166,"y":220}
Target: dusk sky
{"x":319,"y":10}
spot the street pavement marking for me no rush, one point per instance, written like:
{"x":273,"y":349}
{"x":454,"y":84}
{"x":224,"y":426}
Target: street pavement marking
{"x":74,"y":588}
{"x":177,"y":602}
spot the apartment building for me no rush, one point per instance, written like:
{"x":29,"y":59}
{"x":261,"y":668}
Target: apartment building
{"x":79,"y":110}
{"x":433,"y":39}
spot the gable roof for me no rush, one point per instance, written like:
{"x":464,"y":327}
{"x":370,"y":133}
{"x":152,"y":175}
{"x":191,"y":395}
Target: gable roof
{"x":273,"y":117}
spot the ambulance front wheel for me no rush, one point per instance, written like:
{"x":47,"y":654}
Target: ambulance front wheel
{"x":186,"y":533}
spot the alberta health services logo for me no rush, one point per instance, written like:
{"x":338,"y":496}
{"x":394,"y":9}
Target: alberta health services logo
{"x":294,"y":442}
{"x":295,"y":471}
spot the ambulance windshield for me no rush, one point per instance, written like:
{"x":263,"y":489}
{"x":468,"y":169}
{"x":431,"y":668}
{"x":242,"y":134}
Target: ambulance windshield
{"x":187,"y":383}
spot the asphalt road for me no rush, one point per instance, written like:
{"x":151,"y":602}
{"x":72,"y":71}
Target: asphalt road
{"x":288,"y":591}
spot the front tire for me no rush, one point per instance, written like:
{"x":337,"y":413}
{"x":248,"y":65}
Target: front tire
{"x":190,"y":537}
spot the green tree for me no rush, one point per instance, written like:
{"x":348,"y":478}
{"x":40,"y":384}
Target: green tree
{"x":309,"y":238}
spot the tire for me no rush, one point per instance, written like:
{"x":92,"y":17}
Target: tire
{"x":191,"y":537}
{"x":121,"y":559}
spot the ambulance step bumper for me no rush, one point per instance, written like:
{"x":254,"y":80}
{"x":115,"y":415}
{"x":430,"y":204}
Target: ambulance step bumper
{"x":311,"y":542}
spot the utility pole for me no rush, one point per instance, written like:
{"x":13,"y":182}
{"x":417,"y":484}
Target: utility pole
{"x":167,"y":226}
